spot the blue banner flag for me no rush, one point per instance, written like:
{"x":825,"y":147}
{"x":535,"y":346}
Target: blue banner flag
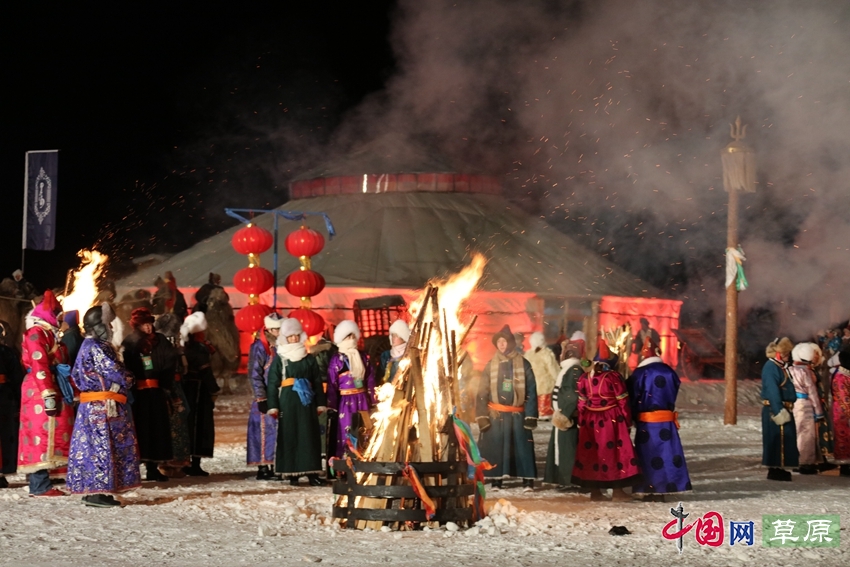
{"x":41,"y":183}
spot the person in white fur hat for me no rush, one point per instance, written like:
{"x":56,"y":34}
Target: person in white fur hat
{"x":262,"y":428}
{"x":546,"y":370}
{"x":201,"y":390}
{"x":807,"y":409}
{"x":399,"y":334}
{"x":351,"y":386}
{"x":296,"y":398}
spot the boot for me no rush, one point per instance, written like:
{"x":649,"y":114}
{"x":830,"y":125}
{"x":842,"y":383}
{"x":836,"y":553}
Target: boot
{"x":844,"y":470}
{"x":100,"y":501}
{"x":774,"y":473}
{"x":597,"y":496}
{"x":824,"y":466}
{"x":314,"y":480}
{"x":195,"y":469}
{"x":496,"y":484}
{"x":527,"y":484}
{"x":293,"y":481}
{"x":263,"y":472}
{"x":808,"y":469}
{"x":152,"y":473}
{"x":3,"y":482}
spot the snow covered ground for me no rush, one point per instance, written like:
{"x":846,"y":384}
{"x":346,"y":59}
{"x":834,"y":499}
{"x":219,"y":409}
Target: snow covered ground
{"x":232,"y":519}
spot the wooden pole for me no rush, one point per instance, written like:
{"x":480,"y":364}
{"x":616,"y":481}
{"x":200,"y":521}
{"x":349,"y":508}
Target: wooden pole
{"x":730,"y":415}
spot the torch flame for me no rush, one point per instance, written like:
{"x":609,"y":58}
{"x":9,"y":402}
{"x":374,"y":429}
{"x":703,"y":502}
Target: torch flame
{"x":83,"y":282}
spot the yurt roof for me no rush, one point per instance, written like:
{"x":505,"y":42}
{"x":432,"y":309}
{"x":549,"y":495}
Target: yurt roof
{"x":403,"y":239}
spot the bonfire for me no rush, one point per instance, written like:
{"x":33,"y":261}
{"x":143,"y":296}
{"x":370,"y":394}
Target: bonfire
{"x":411,"y":467}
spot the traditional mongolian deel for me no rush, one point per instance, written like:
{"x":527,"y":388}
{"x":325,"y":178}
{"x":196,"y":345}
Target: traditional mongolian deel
{"x":561,"y":456}
{"x":104,"y":455}
{"x":43,"y":441}
{"x":506,"y":412}
{"x":262,"y":428}
{"x":807,"y":409}
{"x":841,"y":413}
{"x":653,"y":388}
{"x":779,"y":441}
{"x":295,"y":390}
{"x":605,"y":457}
{"x":351,"y":386}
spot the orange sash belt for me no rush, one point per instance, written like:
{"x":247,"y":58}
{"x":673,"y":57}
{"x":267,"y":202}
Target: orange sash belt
{"x":287,"y":383}
{"x":86,"y":397}
{"x":352,"y":391}
{"x":502,"y":407}
{"x":146,"y":384}
{"x":659,"y":416}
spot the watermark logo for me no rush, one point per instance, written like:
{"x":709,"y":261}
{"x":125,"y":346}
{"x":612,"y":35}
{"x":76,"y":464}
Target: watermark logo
{"x":788,"y":530}
{"x":801,"y":530}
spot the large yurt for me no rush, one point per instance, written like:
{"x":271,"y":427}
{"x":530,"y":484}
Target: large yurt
{"x":402,"y":219}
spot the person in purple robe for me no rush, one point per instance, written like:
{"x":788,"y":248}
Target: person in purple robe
{"x":351,"y":386}
{"x":262,"y":428}
{"x":653,"y":388}
{"x":104,"y":456}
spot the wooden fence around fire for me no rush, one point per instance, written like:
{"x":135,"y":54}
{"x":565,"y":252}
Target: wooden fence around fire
{"x":400,"y":503}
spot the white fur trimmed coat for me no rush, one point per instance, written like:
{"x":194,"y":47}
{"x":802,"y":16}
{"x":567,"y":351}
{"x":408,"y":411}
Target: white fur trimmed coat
{"x":545,"y":369}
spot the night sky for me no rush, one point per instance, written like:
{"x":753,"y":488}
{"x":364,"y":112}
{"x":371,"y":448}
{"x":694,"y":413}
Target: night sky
{"x":154,"y":112}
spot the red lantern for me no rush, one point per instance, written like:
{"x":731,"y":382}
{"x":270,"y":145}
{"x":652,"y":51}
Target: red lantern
{"x":305,"y":283}
{"x":253,"y":280}
{"x":311,"y":322}
{"x":304,"y":242}
{"x":252,"y":240}
{"x":249,"y":319}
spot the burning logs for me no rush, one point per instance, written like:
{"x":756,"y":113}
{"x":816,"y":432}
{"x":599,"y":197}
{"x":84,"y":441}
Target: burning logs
{"x":412,"y":468}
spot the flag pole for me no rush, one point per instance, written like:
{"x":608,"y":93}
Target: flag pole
{"x":26,"y":190}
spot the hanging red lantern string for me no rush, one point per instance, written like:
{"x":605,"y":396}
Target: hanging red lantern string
{"x":304,"y":243}
{"x":250,"y":318}
{"x":304,"y":282}
{"x":252,"y":241}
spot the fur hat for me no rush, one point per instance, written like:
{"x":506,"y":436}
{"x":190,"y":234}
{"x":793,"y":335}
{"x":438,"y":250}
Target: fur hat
{"x":401,"y":329}
{"x":537,"y":340}
{"x":844,"y":359}
{"x":578,"y":336}
{"x":48,"y":309}
{"x":140,"y":316}
{"x":505,"y":333}
{"x":168,"y":324}
{"x":194,"y":323}
{"x":803,"y":352}
{"x":344,"y":329}
{"x":291,"y":326}
{"x":782,"y":346}
{"x":272,"y":321}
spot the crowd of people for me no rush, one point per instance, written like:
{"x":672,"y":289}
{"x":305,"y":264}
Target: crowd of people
{"x":107,"y":415}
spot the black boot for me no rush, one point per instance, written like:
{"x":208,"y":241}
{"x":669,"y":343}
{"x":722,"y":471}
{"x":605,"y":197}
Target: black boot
{"x":527,"y":484}
{"x":824,"y":466}
{"x":314,"y":480}
{"x":808,"y":469}
{"x":293,"y":481}
{"x":496,"y":484}
{"x":3,"y":482}
{"x":844,"y":470}
{"x":100,"y":501}
{"x":152,"y":473}
{"x":195,"y":469}
{"x":778,"y":474}
{"x":263,"y":473}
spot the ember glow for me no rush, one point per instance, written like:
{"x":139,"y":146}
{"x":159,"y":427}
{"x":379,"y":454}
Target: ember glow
{"x":82,"y":284}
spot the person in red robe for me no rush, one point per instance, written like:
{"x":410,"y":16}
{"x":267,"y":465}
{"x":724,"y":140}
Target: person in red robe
{"x":605,"y":456}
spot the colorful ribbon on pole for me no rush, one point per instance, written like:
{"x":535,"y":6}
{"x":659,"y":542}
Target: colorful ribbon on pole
{"x":477,"y":465}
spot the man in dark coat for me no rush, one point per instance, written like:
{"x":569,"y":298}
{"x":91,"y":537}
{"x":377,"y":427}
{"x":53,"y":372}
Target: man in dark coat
{"x":506,"y":411}
{"x":11,"y":377}
{"x":201,"y":391}
{"x":153,"y":361}
{"x":779,"y":432}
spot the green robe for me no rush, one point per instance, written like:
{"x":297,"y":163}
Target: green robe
{"x":299,"y":446}
{"x":561,"y":458}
